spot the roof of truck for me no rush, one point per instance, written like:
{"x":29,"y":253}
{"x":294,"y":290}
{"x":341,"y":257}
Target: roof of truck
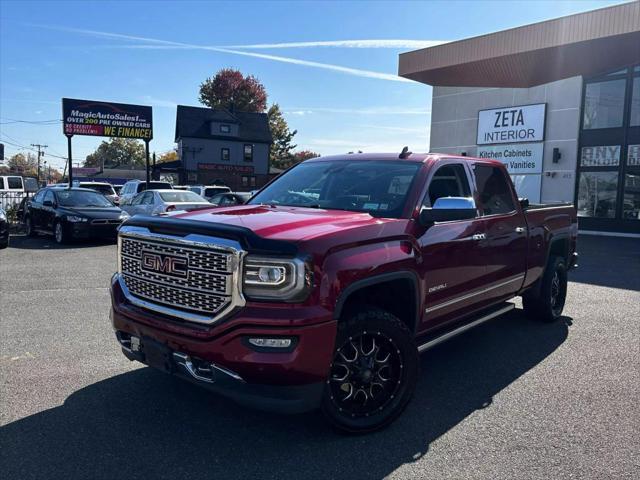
{"x":411,"y":157}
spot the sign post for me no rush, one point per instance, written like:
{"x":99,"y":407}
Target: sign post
{"x":106,"y":119}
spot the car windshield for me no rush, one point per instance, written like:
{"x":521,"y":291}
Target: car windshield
{"x":378,"y":187}
{"x":181,"y":196}
{"x":154,"y":186}
{"x":104,"y":189}
{"x":79,"y":198}
{"x":210,"y":192}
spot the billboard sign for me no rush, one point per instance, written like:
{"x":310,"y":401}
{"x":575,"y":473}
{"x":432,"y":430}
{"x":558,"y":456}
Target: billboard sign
{"x":523,"y":123}
{"x":519,"y":158}
{"x":106,"y":119}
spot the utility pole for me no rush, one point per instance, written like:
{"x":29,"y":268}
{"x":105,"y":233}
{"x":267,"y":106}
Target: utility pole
{"x":40,"y":154}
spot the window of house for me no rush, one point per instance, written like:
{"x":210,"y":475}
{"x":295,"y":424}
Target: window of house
{"x":604,"y":104}
{"x":225,"y":128}
{"x":252,"y":181}
{"x":248,"y":153}
{"x":245,"y":181}
{"x":493,"y":188}
{"x":225,"y":154}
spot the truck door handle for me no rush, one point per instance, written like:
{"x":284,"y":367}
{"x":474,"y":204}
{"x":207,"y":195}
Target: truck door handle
{"x":519,"y":229}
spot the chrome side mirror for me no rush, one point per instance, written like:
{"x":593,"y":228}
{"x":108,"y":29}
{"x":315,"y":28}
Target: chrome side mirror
{"x":447,"y":209}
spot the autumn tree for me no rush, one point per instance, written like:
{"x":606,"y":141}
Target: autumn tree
{"x":231,"y":90}
{"x":282,"y":148}
{"x":117,"y":152}
{"x":23,"y":164}
{"x":303,"y":155}
{"x":168,"y":156}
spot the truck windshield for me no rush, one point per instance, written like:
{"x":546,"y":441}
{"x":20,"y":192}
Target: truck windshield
{"x":377,"y":187}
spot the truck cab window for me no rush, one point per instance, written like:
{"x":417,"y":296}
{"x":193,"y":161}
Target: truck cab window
{"x":448,"y":181}
{"x":493,"y":189}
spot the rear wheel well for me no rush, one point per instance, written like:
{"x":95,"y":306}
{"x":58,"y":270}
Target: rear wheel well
{"x":397,"y":297}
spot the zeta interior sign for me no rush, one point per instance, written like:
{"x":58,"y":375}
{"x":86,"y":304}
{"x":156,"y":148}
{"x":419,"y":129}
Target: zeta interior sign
{"x":523,"y":123}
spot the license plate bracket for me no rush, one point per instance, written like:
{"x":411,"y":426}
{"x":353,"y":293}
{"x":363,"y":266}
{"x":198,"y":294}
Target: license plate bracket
{"x":157,"y":355}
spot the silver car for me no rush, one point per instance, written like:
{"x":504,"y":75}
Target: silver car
{"x":155,"y":202}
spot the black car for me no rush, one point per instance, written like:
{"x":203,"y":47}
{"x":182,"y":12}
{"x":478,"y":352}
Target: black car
{"x":72,"y":213}
{"x":4,"y":229}
{"x":230,"y":198}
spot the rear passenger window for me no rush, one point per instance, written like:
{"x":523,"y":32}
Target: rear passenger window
{"x":448,"y":181}
{"x":495,"y":195}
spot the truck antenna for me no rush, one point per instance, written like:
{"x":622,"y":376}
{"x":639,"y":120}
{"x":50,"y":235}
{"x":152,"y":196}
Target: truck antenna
{"x":405,"y":153}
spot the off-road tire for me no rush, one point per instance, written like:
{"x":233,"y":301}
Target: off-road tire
{"x":388,"y":400}
{"x":547,"y":304}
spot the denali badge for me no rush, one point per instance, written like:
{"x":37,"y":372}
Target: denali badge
{"x":167,"y":264}
{"x":437,"y":287}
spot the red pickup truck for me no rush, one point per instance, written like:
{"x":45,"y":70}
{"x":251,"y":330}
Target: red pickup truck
{"x":325,"y":287}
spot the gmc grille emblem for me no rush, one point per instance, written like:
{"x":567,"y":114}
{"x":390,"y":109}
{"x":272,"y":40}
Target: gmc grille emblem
{"x":166,"y":264}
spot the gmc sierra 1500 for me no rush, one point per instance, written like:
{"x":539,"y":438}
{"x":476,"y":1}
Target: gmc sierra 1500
{"x":325,"y":287}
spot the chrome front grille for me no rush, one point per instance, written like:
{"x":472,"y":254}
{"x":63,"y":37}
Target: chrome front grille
{"x":202,"y":289}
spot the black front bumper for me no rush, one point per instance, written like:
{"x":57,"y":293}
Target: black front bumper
{"x":88,"y":230}
{"x":289,"y":399}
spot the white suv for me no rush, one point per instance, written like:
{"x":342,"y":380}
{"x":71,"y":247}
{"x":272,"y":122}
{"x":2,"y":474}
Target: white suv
{"x":208,"y":191}
{"x":134,"y":187}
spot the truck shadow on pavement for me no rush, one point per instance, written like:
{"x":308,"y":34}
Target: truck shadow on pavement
{"x":145,"y":424}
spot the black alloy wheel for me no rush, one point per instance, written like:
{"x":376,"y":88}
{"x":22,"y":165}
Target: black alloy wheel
{"x":373,"y":373}
{"x":547,"y":303}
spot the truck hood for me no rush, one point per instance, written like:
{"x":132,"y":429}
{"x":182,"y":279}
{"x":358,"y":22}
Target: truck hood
{"x":293,"y":224}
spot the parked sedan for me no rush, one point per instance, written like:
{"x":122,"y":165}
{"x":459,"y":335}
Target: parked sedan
{"x":230,"y":198}
{"x":154,"y":202}
{"x":4,"y":229}
{"x":72,"y":213}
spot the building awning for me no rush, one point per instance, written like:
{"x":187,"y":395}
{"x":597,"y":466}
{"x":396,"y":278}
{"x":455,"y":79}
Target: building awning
{"x":584,"y":44}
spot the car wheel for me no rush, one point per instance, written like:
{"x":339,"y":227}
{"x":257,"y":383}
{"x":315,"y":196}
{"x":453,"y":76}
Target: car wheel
{"x":58,"y":231}
{"x":373,"y":374}
{"x":548,"y":303}
{"x":28,"y":225}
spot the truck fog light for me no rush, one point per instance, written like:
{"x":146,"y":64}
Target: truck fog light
{"x":270,"y":342}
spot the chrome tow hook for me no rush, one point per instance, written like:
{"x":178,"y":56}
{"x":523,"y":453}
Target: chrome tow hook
{"x":193,"y":370}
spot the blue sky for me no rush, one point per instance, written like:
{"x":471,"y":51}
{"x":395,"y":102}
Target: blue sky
{"x":158,"y":53}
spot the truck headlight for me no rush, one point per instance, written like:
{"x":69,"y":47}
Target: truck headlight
{"x":267,"y":278}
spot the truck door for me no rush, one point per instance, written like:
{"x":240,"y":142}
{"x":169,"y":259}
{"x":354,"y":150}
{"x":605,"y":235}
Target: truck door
{"x":505,"y":249}
{"x":452,"y":252}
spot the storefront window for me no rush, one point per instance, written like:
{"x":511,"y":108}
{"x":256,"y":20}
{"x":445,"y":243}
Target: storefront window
{"x":597,"y":194}
{"x":631,"y":202}
{"x":634,"y":120}
{"x":633,"y":156}
{"x":600,"y":156}
{"x":604,"y":104}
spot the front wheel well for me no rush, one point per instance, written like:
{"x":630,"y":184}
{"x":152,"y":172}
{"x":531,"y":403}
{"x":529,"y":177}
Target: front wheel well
{"x":396,"y":296}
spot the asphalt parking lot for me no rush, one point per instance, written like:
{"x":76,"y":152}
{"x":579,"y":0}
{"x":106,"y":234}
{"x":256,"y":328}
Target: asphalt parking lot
{"x":510,"y":399}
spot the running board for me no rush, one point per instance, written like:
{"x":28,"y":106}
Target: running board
{"x":468,"y":326}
